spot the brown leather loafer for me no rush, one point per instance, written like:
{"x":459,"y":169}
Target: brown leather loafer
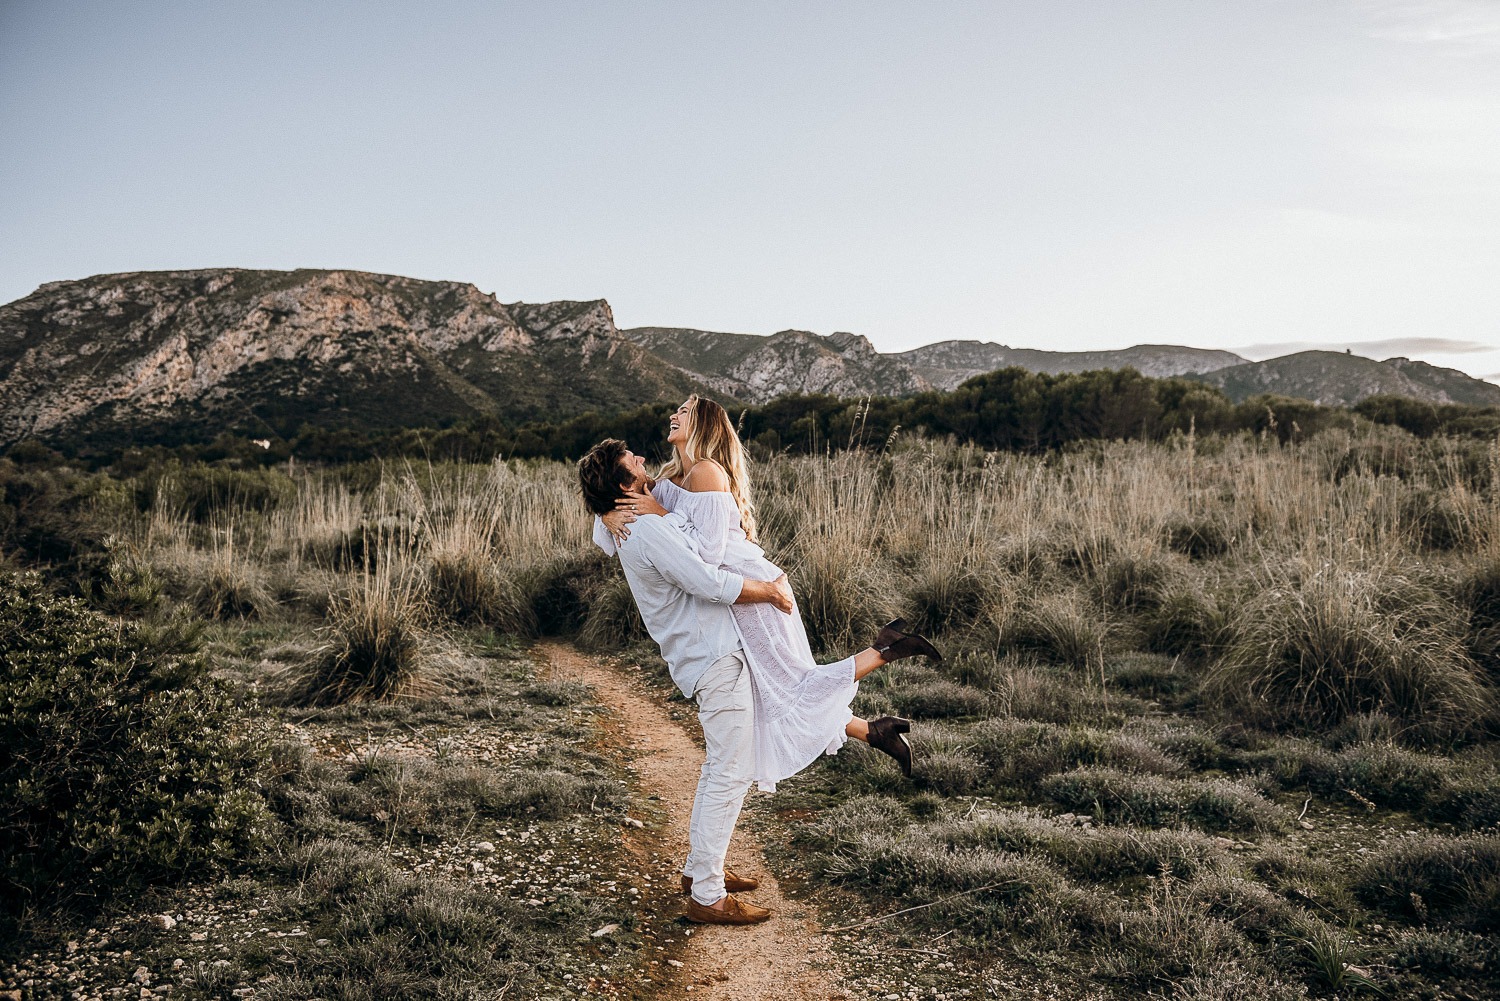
{"x":735,"y":912}
{"x":732,"y":883}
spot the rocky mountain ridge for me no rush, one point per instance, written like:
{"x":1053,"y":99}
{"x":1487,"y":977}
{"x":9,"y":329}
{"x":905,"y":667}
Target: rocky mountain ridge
{"x":113,"y":358}
{"x":946,"y":364}
{"x":235,"y":347}
{"x":1339,"y":379}
{"x":758,"y":369}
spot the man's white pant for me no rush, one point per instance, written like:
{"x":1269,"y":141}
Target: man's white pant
{"x":728,"y":716}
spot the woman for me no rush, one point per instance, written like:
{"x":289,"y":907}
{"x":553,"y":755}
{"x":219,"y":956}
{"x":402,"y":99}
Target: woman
{"x":801,"y":708}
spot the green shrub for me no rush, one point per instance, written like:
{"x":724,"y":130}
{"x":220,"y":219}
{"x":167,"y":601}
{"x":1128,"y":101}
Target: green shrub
{"x":200,"y":492}
{"x":1104,"y":854}
{"x":373,"y":646}
{"x":1061,"y":631}
{"x":614,"y":620}
{"x":1313,"y":654}
{"x":1383,"y":773}
{"x":1479,"y":593}
{"x":951,"y":772}
{"x":1444,"y":954}
{"x":1455,"y":879}
{"x":843,"y":595}
{"x":924,"y":694}
{"x":1198,"y":538}
{"x":468,"y":588}
{"x":128,"y":766}
{"x":1154,"y":801}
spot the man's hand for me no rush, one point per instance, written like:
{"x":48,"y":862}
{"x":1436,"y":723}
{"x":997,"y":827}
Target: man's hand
{"x":776,"y":592}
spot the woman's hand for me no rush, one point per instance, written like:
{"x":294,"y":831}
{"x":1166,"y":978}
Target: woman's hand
{"x":638,"y":503}
{"x":615,"y":523}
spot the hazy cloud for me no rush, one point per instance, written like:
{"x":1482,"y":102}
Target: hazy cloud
{"x":1468,"y":24}
{"x":1382,"y":348}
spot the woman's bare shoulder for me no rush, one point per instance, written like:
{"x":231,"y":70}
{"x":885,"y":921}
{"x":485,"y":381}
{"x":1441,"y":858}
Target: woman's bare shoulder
{"x":705,"y":475}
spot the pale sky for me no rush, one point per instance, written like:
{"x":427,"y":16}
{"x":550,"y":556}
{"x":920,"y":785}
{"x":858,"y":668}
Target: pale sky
{"x":1259,"y":176}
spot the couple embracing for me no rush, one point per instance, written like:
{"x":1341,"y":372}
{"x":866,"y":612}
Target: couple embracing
{"x":729,"y":630}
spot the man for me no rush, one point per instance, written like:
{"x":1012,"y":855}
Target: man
{"x":685,"y":606}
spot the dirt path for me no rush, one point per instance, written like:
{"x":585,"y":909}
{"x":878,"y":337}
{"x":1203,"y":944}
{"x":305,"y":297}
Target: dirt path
{"x":784,"y":958}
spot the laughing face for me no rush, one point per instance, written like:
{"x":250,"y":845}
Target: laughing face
{"x":680,"y":423}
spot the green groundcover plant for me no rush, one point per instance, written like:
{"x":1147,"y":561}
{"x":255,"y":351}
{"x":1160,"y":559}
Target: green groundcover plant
{"x":124,"y":764}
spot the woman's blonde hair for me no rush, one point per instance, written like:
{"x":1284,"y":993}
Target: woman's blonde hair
{"x":711,"y":435}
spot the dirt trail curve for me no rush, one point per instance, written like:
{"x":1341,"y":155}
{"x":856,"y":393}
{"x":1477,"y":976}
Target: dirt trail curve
{"x":784,"y":958}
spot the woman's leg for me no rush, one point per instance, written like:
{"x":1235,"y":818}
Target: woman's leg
{"x":858,"y":729}
{"x":866,"y":661}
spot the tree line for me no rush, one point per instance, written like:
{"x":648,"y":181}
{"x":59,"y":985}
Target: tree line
{"x":1009,"y":409}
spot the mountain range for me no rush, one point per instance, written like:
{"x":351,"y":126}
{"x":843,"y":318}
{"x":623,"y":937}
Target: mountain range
{"x":113,"y":358}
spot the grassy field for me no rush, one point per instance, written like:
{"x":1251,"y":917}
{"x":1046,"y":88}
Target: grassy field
{"x":1218,"y":719}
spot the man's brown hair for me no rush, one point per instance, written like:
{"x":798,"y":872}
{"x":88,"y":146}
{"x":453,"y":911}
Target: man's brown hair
{"x":601,"y":476}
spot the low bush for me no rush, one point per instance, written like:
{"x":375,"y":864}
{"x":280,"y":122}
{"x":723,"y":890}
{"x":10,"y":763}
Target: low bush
{"x":1019,"y":754}
{"x":1314,"y":653}
{"x":843,"y":594}
{"x":1023,"y":692}
{"x":467,"y":587}
{"x":1058,"y":630}
{"x":614,"y":620}
{"x":1085,"y":853}
{"x":1433,"y":876}
{"x":924,"y":694}
{"x":1382,"y":773}
{"x":129,"y":766}
{"x":1196,"y":537}
{"x":1155,"y":801}
{"x":373,"y":646}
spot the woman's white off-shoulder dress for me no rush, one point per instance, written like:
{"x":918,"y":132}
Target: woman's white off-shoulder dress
{"x":801,"y":707}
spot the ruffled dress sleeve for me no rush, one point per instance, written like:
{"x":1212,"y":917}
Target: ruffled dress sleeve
{"x":711,"y":517}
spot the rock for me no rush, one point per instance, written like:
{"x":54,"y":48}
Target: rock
{"x":631,"y":822}
{"x":163,"y":922}
{"x":675,"y":963}
{"x":141,"y":975}
{"x":603,"y":930}
{"x":486,"y":847}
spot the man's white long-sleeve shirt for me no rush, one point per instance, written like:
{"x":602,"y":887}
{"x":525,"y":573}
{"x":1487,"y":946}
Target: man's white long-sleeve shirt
{"x":683,"y":601}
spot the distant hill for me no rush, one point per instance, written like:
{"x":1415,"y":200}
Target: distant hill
{"x":948,"y":363}
{"x":1336,"y":379}
{"x":192,"y":352}
{"x":115,"y":359}
{"x":758,"y":368}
